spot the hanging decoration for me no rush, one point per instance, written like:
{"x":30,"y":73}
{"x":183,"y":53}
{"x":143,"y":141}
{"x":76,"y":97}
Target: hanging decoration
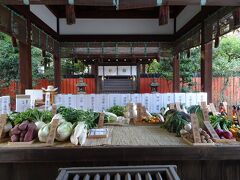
{"x":216,"y":44}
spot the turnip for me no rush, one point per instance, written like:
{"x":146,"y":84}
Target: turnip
{"x":64,"y":131}
{"x":39,"y":124}
{"x":43,"y":133}
{"x":227,"y":135}
{"x":188,"y":127}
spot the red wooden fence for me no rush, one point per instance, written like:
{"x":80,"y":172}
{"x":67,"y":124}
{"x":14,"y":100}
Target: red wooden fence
{"x":231,"y":94}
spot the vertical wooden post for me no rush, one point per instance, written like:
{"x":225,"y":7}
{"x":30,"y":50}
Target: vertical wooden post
{"x":206,"y":66}
{"x":176,"y":74}
{"x":25,"y":62}
{"x":57,"y":72}
{"x":138,"y":77}
{"x":143,"y":68}
{"x":94,"y":71}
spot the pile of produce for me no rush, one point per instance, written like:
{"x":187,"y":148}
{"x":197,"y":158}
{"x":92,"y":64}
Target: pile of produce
{"x":24,"y":132}
{"x":175,"y":121}
{"x":26,"y":124}
{"x":222,"y":125}
{"x":154,"y":119}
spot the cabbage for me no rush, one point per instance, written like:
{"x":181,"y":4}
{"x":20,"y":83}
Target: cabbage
{"x":64,"y":131}
{"x":43,"y":133}
{"x":82,"y":138}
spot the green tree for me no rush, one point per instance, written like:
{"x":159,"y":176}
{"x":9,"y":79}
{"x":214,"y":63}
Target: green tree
{"x":71,"y":67}
{"x":189,"y":67}
{"x":226,"y":60}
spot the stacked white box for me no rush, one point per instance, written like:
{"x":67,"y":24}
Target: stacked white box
{"x":191,"y":99}
{"x":23,"y":102}
{"x":156,"y":103}
{"x":167,"y":99}
{"x":125,"y":99}
{"x":58,"y":99}
{"x":201,"y":97}
{"x":135,"y":98}
{"x":180,"y":98}
{"x":147,"y":101}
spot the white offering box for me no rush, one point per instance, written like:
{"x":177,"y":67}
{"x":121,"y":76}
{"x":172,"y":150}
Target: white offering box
{"x":191,"y":99}
{"x":101,"y":102}
{"x":157,"y":102}
{"x":90,"y":98}
{"x":201,"y":97}
{"x":114,"y":100}
{"x":147,"y":101}
{"x":23,"y":102}
{"x":135,"y":98}
{"x":80,"y":103}
{"x":125,"y":99}
{"x":167,"y":99}
{"x":180,"y":98}
{"x":5,"y":105}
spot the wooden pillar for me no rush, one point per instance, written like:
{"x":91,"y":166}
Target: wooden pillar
{"x":25,"y":62}
{"x":94,"y":71}
{"x":143,"y":68}
{"x":57,"y":72}
{"x":206,"y":66}
{"x":176,"y":74}
{"x":139,"y":77}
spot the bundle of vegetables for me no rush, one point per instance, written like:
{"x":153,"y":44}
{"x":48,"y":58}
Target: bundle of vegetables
{"x":175,"y":121}
{"x":31,"y":115}
{"x":64,"y":130}
{"x":235,"y":130}
{"x":24,"y":132}
{"x":222,"y":125}
{"x":79,"y":134}
{"x":73,"y":116}
{"x":196,"y":109}
{"x":118,"y":110}
{"x":110,"y":117}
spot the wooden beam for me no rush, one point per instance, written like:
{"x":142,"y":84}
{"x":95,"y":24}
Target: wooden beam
{"x":206,"y":66}
{"x":163,"y":15}
{"x":70,"y":14}
{"x":14,"y":42}
{"x":25,"y":62}
{"x":117,"y":38}
{"x":176,"y":74}
{"x":57,"y":72}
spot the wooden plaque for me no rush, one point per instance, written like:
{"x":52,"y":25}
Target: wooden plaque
{"x":139,"y":112}
{"x":195,"y":129}
{"x":171,"y":106}
{"x":211,"y":130}
{"x":3,"y":121}
{"x":52,"y":132}
{"x":205,"y":114}
{"x":178,"y":106}
{"x":203,"y":104}
{"x":54,"y":109}
{"x":213,"y":109}
{"x":225,"y":106}
{"x":101,"y":120}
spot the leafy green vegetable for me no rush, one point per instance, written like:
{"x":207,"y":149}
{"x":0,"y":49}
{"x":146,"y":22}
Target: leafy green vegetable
{"x":118,"y":110}
{"x":30,"y":115}
{"x":74,"y":115}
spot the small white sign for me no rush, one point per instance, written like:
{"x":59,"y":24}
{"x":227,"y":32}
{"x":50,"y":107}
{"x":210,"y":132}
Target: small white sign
{"x":147,"y":101}
{"x":5,"y":105}
{"x":47,"y":101}
{"x":114,"y":100}
{"x":23,"y":102}
{"x":125,"y":99}
{"x":80,"y":102}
